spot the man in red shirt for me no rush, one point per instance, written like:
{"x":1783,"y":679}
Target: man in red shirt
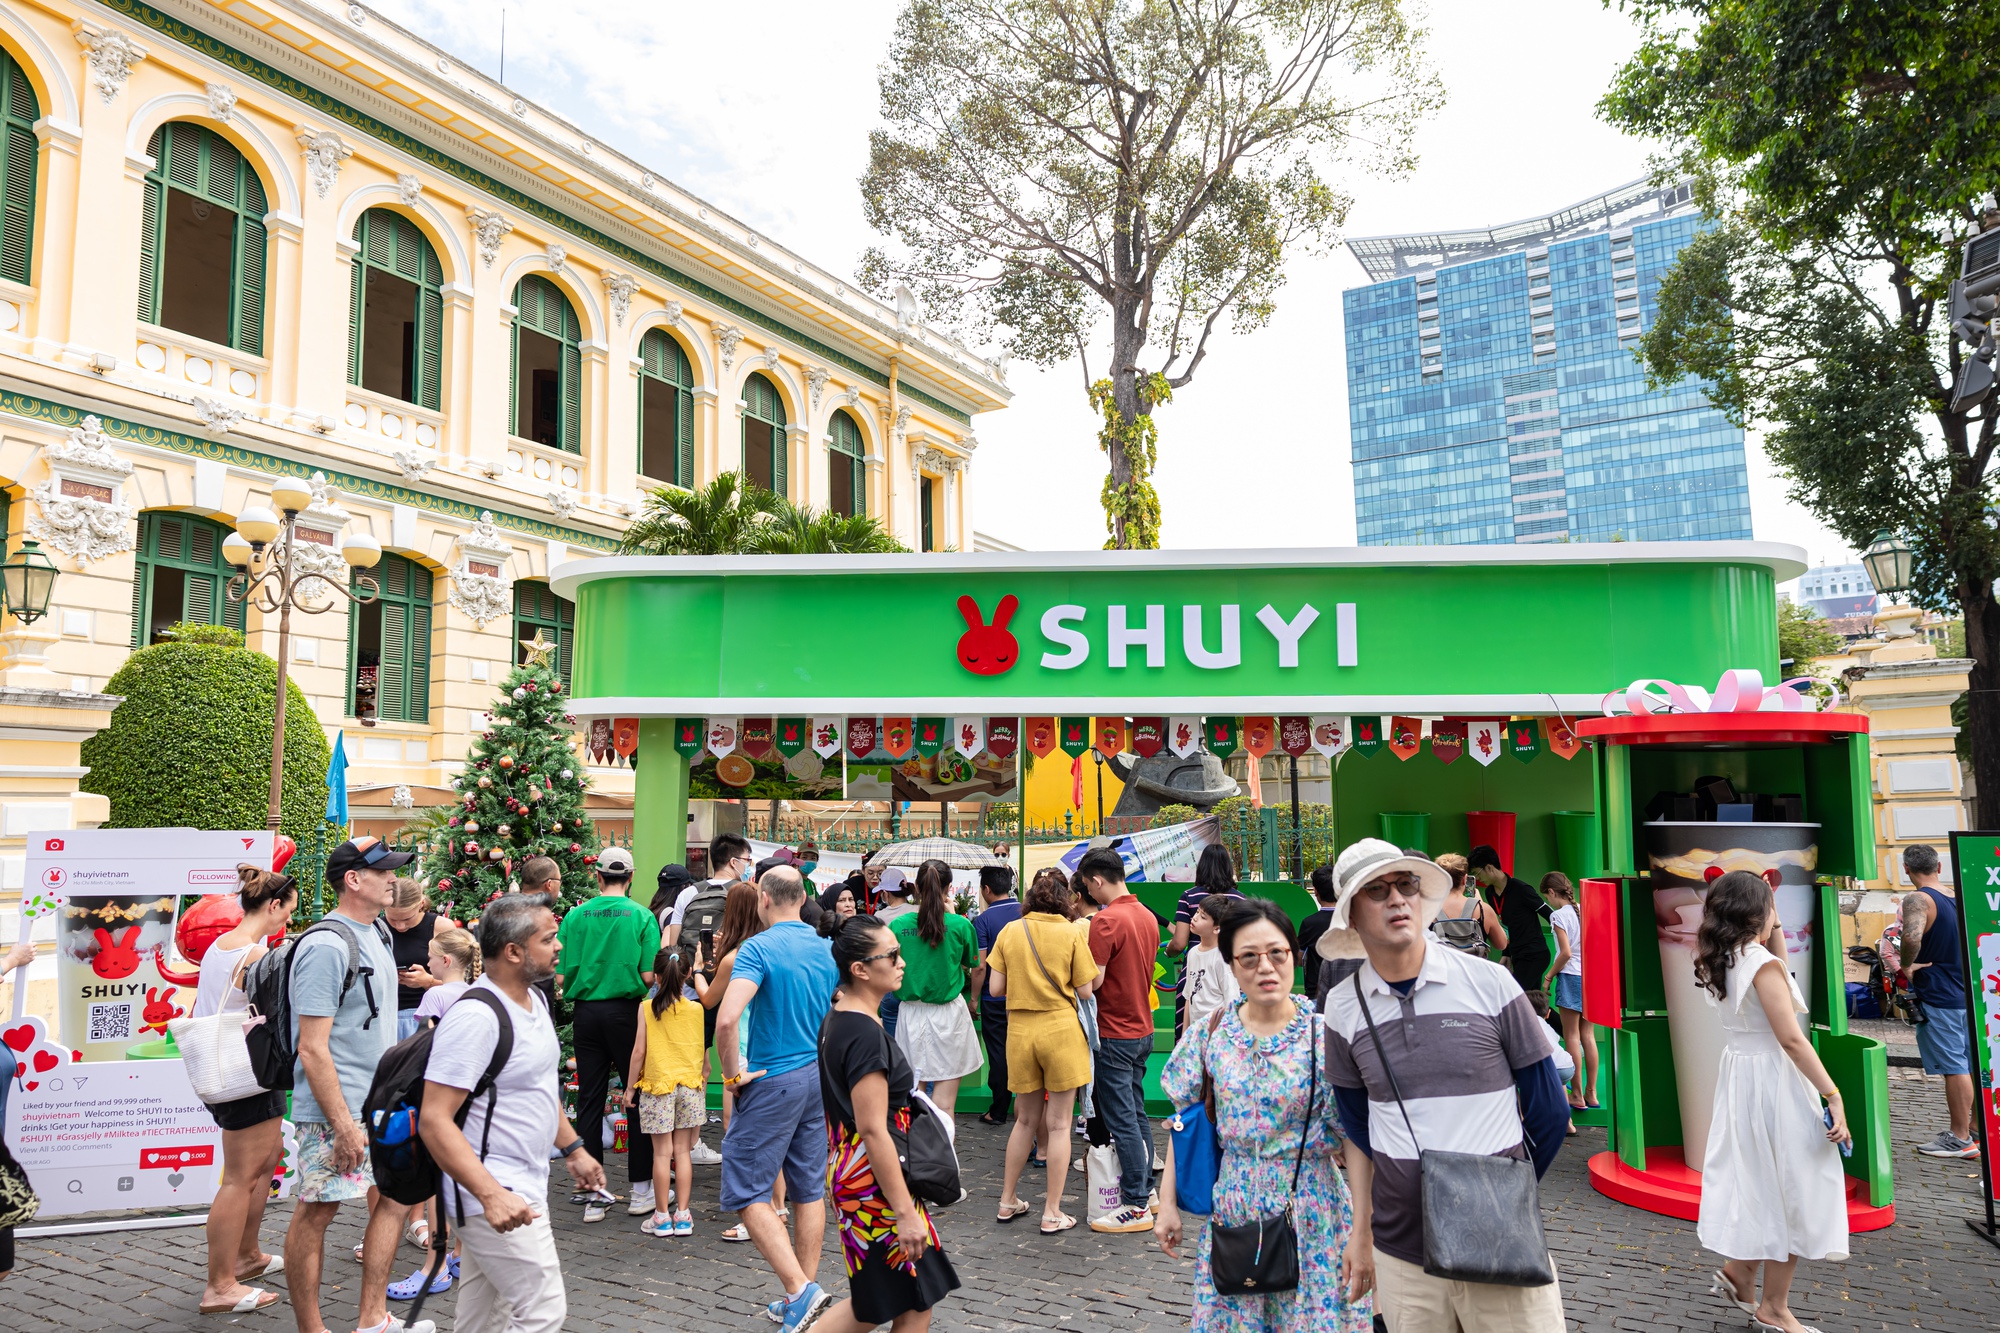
{"x":1125,"y":941}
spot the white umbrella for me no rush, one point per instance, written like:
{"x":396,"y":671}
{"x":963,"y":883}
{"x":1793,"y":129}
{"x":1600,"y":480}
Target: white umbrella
{"x":913,"y":853}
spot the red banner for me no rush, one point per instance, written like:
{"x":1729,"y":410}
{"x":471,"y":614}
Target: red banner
{"x":1259,"y":735}
{"x":1003,"y":734}
{"x":1149,"y":734}
{"x":860,"y":736}
{"x":756,"y":737}
{"x":1111,"y":735}
{"x":1295,"y":735}
{"x":1041,"y":736}
{"x":1447,"y":740}
{"x":897,"y":736}
{"x":625,"y":735}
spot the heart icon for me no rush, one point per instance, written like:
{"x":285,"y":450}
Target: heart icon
{"x":32,"y":1086}
{"x":20,"y":1038}
{"x":151,"y":1158}
{"x":174,"y":1178}
{"x":45,"y":1061}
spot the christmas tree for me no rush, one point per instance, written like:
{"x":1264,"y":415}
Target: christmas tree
{"x":521,"y":795}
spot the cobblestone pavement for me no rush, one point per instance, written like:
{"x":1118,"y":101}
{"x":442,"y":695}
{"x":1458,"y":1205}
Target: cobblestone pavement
{"x":1621,"y":1268}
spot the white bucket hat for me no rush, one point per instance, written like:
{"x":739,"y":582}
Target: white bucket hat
{"x":1371,"y":858}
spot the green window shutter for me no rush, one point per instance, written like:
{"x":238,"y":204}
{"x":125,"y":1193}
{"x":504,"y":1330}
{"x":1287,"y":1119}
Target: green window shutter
{"x":390,"y":699}
{"x":514,"y":422}
{"x":420,"y":664}
{"x":151,"y":213}
{"x":234,"y":612}
{"x":781,"y":454}
{"x":139,"y":571}
{"x":430,"y":346}
{"x":357,"y":296}
{"x":685,"y":437}
{"x":17,"y":203}
{"x":251,"y":249}
{"x":183,"y":160}
{"x":198,"y":599}
{"x":572,"y":396}
{"x":167,"y":538}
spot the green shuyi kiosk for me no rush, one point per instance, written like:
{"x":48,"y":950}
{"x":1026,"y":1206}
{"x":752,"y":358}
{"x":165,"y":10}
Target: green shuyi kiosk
{"x":1498,"y":633}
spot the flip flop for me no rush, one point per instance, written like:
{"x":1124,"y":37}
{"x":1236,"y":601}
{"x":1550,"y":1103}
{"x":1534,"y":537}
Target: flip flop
{"x":274,"y":1264}
{"x":1064,"y":1225}
{"x":1009,"y":1214}
{"x":255,"y":1299}
{"x":990,"y":1119}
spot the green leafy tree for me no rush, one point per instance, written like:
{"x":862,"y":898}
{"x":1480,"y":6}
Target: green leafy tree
{"x":734,"y":516}
{"x":521,"y":795}
{"x":1844,"y":154}
{"x":190,"y":746}
{"x":1045,"y":163}
{"x":1802,"y":636}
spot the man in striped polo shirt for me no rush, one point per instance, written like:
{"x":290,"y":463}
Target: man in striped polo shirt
{"x":1474,"y":1065}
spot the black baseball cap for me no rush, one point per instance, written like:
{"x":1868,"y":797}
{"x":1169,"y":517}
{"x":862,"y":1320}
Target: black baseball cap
{"x":376,"y":855}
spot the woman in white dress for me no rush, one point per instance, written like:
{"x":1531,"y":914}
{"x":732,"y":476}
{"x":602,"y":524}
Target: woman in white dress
{"x":1772,"y":1190}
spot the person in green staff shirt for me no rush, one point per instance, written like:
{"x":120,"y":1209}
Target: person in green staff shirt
{"x":608,"y":947}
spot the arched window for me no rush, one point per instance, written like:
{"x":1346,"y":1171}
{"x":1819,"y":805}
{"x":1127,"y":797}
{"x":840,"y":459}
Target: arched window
{"x":537,"y":608}
{"x":847,"y":475}
{"x":395,"y":317}
{"x":201,"y":241}
{"x":18,"y":113}
{"x":764,"y":434}
{"x":180,"y":575}
{"x":666,"y":410}
{"x":548,"y":366}
{"x":389,"y":645}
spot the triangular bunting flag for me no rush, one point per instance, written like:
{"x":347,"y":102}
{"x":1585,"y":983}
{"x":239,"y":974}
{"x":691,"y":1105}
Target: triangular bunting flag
{"x":860,"y":736}
{"x":1221,"y":735}
{"x":1183,"y":735}
{"x":1111,"y":735}
{"x":1406,"y":736}
{"x":826,"y":736}
{"x":968,"y":735}
{"x":757,"y":737}
{"x":1295,"y":735}
{"x":1562,"y":740}
{"x":690,"y":736}
{"x":1482,"y":740}
{"x":1149,"y":735}
{"x":1369,"y":736}
{"x":897,"y":736}
{"x":1259,"y":735}
{"x":1524,"y":739}
{"x":790,"y":736}
{"x":625,"y":735}
{"x":1331,"y":735}
{"x":930,"y":735}
{"x":1447,"y":740}
{"x":1041,"y":736}
{"x":1003,"y":736}
{"x":1075,"y":736}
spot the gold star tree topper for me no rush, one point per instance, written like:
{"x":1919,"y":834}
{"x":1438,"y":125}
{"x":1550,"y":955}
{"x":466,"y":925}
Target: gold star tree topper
{"x":539,"y":650}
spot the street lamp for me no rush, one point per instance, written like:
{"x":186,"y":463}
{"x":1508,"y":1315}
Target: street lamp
{"x":1890,"y":562}
{"x":29,"y":580}
{"x":263,"y":549}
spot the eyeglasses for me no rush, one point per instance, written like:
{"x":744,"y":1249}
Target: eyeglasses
{"x":1379,"y":890}
{"x":1279,"y":958}
{"x":894,"y":956}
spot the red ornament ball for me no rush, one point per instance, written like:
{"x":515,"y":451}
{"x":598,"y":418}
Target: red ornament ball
{"x":506,"y":761}
{"x":577,"y":847}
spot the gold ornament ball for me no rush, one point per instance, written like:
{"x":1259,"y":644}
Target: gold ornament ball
{"x":506,"y":761}
{"x":485,"y":781}
{"x":472,"y":826}
{"x":505,"y":830}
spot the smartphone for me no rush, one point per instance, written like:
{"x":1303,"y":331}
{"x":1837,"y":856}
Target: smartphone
{"x":708,"y":945}
{"x":1826,"y":1116}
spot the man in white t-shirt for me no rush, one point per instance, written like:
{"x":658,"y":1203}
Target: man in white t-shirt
{"x":498,"y":1175}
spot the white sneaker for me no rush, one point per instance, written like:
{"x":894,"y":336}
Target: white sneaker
{"x":599,"y":1205}
{"x":642,"y":1199}
{"x":1126,"y":1219}
{"x":703,"y":1155}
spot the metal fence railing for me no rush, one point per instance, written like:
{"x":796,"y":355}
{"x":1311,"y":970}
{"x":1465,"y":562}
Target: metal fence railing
{"x":1266,"y":844}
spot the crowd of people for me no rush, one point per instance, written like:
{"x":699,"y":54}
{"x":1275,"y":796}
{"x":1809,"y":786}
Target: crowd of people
{"x":830,"y":1016}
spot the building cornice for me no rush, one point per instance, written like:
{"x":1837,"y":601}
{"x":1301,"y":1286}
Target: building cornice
{"x":295,"y":85}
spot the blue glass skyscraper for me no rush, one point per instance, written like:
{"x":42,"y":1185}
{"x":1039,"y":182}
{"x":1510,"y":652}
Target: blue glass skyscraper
{"x":1493,"y":395}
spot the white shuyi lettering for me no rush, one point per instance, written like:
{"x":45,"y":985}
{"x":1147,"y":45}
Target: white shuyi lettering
{"x":1347,"y":644}
{"x":1231,"y":651}
{"x":1055,"y":628}
{"x":1152,"y":636}
{"x":1288,"y":632}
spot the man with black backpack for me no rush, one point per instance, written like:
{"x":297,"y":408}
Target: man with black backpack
{"x":339,"y":983}
{"x":496,"y":1165}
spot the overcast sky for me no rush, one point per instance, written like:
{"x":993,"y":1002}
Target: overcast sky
{"x":766,"y":112}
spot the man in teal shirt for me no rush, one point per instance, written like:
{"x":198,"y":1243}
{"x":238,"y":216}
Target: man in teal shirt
{"x":608,"y":946}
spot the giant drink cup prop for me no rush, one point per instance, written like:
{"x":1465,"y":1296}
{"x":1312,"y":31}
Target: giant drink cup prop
{"x":1685,"y":858}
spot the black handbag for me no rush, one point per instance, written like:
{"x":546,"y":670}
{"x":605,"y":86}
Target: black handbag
{"x":1252,"y":1258}
{"x":1482,"y":1214}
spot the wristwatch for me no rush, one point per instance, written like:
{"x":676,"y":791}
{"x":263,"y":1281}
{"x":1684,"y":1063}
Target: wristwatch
{"x":574,"y":1144}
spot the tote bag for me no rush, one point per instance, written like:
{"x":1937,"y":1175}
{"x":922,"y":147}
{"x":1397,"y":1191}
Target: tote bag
{"x":216,"y":1055}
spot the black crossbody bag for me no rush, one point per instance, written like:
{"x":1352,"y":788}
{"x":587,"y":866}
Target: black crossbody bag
{"x":1252,"y":1258}
{"x":1482,"y":1214}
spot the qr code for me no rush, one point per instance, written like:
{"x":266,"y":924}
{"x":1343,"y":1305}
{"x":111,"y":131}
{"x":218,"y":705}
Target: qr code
{"x":111,"y":1022}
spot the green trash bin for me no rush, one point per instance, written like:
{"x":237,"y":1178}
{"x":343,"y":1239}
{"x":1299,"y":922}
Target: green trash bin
{"x":162,"y":1048}
{"x":1577,"y":851}
{"x":1406,"y":828}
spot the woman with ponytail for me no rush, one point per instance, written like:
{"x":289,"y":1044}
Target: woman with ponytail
{"x":935,"y":1028}
{"x":668,"y":1080}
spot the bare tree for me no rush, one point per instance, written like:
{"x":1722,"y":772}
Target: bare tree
{"x":1044,"y":160}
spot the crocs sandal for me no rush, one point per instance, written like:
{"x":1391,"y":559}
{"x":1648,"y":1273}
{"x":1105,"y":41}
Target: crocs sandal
{"x":1064,"y":1224}
{"x":253,"y":1300}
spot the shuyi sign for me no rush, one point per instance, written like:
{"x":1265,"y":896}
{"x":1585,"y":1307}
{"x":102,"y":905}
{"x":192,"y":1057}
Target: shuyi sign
{"x":1249,"y":633}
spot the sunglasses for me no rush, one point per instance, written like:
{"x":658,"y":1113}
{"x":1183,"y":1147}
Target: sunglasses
{"x":1406,"y":885}
{"x":1251,"y":960}
{"x":894,"y":956}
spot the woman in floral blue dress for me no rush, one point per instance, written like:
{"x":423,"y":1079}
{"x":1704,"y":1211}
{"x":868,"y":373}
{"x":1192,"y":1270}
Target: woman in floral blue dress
{"x":1256,"y":1055}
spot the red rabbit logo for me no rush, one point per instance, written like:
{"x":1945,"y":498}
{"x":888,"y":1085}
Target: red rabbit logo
{"x":160,"y":1007}
{"x":115,"y":959}
{"x":988,"y":650}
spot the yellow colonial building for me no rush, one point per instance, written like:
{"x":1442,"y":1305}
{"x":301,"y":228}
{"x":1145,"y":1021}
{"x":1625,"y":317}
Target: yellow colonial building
{"x":258,"y":237}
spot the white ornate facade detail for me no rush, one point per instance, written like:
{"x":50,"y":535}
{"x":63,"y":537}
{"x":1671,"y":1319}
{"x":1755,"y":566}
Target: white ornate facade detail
{"x":217,"y":416}
{"x":727,"y":336}
{"x":770,"y":359}
{"x":816,"y":377}
{"x":408,"y":187}
{"x":479,"y":583}
{"x":319,"y":568}
{"x":402,"y":797}
{"x":853,"y":395}
{"x":324,"y":151}
{"x":646,"y":181}
{"x":325,"y":504}
{"x":563,"y":502}
{"x":221,"y":101}
{"x":674,"y":311}
{"x":488,"y":229}
{"x":520,"y":107}
{"x":620,"y":287}
{"x":80,"y":527}
{"x":87,"y":448}
{"x":557,"y":257}
{"x":902,"y":426}
{"x":412,"y":463}
{"x":112,"y":55}
{"x":926,"y":457}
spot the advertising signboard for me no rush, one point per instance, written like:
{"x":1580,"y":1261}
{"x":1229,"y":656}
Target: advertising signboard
{"x":1975,"y":869}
